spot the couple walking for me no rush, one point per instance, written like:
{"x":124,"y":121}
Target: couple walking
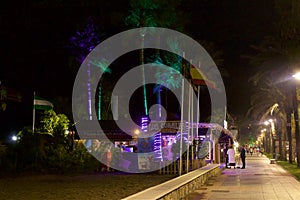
{"x":231,"y":157}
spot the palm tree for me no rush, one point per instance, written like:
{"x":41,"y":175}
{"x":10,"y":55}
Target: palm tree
{"x":285,"y":44}
{"x":153,"y":13}
{"x":141,"y":15}
{"x":81,"y":44}
{"x":267,"y":93}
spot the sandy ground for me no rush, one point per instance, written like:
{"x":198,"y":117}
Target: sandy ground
{"x":108,"y":186}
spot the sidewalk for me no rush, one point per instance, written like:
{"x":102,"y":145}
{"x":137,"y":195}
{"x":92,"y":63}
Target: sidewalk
{"x":259,"y":181}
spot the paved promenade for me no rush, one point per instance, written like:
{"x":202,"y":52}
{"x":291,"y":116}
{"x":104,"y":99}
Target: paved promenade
{"x":259,"y":181}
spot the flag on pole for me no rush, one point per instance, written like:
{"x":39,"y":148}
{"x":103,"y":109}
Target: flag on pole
{"x":199,"y":78}
{"x":41,"y":104}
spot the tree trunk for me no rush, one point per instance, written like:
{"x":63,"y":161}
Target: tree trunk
{"x":158,"y":101}
{"x":143,"y":75}
{"x":280,"y":150}
{"x":296,"y":118}
{"x":89,"y":94}
{"x":289,"y":134}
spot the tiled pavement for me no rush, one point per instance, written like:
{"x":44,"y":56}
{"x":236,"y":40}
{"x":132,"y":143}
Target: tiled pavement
{"x":259,"y":181}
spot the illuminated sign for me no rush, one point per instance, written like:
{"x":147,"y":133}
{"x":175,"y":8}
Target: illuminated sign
{"x":166,"y":126}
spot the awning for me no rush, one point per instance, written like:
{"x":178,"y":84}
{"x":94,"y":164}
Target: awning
{"x":109,"y":130}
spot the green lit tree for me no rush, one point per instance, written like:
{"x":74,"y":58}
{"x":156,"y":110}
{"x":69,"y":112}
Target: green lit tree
{"x":142,"y":15}
{"x":55,"y":125}
{"x":50,"y":132}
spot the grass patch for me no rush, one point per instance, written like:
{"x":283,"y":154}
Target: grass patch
{"x":268,"y":155}
{"x":291,"y":168}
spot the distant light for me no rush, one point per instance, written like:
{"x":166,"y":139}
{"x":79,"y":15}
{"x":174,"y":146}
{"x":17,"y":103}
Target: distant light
{"x":225,"y":124}
{"x":297,"y":76}
{"x":14,"y":138}
{"x":137,"y":131}
{"x":236,"y":144}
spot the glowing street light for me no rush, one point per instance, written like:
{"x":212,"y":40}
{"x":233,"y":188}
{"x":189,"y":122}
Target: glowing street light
{"x":297,"y":76}
{"x":14,"y":138}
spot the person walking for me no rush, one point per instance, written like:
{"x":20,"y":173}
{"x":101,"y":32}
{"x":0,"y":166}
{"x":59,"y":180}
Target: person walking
{"x":243,"y":157}
{"x":231,"y":156}
{"x":226,"y":156}
{"x":251,"y":151}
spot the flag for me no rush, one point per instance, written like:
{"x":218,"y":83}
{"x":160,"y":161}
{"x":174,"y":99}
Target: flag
{"x":198,"y":78}
{"x":42,"y":104}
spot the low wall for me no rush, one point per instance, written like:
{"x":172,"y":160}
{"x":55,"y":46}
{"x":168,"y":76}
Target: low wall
{"x":178,"y":187}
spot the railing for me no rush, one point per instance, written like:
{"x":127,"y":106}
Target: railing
{"x":173,"y":168}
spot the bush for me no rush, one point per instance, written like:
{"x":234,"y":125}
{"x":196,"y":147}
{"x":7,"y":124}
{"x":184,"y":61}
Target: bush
{"x":61,"y":160}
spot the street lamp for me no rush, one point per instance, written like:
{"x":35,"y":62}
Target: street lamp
{"x":297,"y":76}
{"x":14,"y":138}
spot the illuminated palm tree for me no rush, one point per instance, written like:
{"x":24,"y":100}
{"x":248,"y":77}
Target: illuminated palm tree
{"x":268,"y":93}
{"x":284,"y":44}
{"x":141,"y":15}
{"x":82,"y":43}
{"x":176,"y":62}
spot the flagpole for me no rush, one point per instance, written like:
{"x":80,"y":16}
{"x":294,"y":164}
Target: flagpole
{"x":181,"y":116}
{"x":188,"y":131}
{"x":198,"y":115}
{"x":33,"y":114}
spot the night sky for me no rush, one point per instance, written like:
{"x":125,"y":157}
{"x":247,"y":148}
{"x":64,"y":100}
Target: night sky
{"x":35,"y":38}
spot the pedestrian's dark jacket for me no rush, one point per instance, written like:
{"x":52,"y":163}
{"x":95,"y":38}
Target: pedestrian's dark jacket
{"x":243,"y":153}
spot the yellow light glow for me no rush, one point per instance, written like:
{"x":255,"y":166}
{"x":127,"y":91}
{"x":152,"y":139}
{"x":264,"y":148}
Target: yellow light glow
{"x":136,"y":131}
{"x":297,"y":76}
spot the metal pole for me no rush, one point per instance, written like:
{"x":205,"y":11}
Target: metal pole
{"x":198,"y":116}
{"x":188,"y":131}
{"x":181,"y":122}
{"x":192,"y":130}
{"x":33,"y":115}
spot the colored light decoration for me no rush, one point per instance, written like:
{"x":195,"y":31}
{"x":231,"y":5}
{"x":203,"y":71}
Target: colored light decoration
{"x":158,"y":147}
{"x":144,"y":124}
